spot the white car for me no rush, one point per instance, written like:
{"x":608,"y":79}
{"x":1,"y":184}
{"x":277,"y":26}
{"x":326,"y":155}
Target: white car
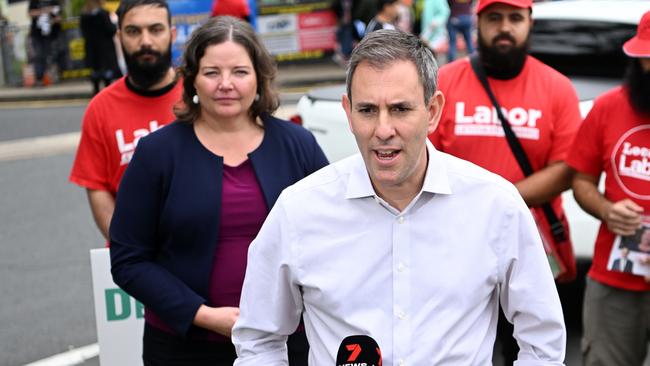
{"x":582,"y":37}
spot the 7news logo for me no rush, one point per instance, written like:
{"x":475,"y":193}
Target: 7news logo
{"x":355,"y":350}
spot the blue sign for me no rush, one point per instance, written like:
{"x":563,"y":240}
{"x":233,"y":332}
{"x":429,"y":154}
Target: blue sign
{"x":187,"y":15}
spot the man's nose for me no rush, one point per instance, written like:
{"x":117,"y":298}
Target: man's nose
{"x":385,"y":129}
{"x":506,"y":26}
{"x":146,"y":39}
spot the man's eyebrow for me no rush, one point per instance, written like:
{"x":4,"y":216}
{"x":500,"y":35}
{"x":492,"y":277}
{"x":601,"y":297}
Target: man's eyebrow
{"x":142,"y":26}
{"x":402,"y":104}
{"x":364,"y":105}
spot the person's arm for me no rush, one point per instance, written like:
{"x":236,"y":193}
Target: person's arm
{"x":137,"y":236}
{"x":528,"y":294}
{"x":545,"y":184}
{"x":271,"y":303}
{"x":622,"y":217}
{"x":102,"y":205}
{"x":219,"y":320}
{"x":564,"y":119}
{"x":91,"y":169}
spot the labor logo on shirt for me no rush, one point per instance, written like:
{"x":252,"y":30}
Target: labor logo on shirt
{"x":484,"y":121}
{"x":126,"y":144}
{"x":631,"y":162}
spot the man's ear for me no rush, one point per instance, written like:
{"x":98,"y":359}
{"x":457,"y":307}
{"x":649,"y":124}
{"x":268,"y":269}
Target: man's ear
{"x":347,"y":107}
{"x":436,"y":103}
{"x":173,"y":30}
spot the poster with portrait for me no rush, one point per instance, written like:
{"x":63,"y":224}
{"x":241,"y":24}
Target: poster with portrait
{"x":629,"y":252}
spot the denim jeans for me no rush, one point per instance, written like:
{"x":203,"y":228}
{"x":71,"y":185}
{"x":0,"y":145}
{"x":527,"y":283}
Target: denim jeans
{"x":462,"y":24}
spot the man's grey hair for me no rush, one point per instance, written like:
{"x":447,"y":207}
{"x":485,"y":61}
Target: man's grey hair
{"x":383,"y":47}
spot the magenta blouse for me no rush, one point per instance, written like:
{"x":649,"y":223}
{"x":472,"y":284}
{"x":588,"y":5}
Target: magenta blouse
{"x":243,"y":211}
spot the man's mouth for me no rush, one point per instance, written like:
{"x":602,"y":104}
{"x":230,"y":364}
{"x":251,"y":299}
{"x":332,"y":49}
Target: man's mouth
{"x":148,"y":57}
{"x":503,"y":41}
{"x":386,"y":154}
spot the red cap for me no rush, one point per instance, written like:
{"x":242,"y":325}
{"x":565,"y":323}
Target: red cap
{"x":639,"y":45}
{"x":482,"y":4}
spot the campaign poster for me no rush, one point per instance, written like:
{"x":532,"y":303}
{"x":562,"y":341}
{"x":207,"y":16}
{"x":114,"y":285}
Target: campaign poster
{"x":300,"y":30}
{"x":630,"y":254}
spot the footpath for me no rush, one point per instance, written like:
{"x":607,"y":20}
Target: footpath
{"x":295,"y":78}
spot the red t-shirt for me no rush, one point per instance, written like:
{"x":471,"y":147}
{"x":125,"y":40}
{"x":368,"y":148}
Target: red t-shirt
{"x":616,"y":140}
{"x":540,"y":103}
{"x":114,"y":122}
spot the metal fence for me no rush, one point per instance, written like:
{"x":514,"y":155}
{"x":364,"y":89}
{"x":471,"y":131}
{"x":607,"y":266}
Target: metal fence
{"x":67,"y":58}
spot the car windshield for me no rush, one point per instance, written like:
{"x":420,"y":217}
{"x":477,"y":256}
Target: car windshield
{"x":581,"y":47}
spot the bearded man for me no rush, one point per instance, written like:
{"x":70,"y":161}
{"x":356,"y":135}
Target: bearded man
{"x":129,"y":109}
{"x":615,"y":139}
{"x":540,"y":104}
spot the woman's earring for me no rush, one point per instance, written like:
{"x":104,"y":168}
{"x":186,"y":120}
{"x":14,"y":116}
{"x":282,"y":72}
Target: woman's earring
{"x":195,"y":99}
{"x":257,"y":97}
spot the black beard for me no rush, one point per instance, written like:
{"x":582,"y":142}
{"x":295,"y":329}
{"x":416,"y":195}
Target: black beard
{"x":637,"y":82}
{"x":501,"y":64}
{"x":147,"y":74}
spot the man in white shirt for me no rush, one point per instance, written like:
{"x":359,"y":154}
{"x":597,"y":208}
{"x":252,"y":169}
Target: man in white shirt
{"x":402,"y":243}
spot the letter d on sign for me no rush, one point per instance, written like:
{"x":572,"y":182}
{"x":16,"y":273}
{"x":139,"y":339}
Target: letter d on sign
{"x":113,"y":297}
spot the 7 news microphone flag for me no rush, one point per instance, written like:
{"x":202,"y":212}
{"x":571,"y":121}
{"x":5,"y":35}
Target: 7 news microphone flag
{"x":358,"y":350}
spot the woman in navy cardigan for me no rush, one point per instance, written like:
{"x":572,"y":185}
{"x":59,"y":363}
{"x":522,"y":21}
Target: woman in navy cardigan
{"x":196,"y":193}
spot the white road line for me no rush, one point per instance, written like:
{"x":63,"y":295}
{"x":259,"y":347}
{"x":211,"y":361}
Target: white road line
{"x":67,"y":142}
{"x":72,"y":357}
{"x":39,"y":146}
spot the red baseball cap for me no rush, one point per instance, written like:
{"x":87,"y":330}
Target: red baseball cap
{"x":639,"y":45}
{"x":482,"y":4}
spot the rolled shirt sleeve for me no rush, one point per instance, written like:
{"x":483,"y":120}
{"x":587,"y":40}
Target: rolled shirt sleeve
{"x":528,"y":294}
{"x":261,"y":332}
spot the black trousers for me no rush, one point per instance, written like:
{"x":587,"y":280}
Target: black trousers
{"x":163,"y":349}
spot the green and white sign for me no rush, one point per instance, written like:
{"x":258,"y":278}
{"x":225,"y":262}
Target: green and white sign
{"x":119,"y":317}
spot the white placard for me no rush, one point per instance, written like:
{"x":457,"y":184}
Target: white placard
{"x":119,"y":317}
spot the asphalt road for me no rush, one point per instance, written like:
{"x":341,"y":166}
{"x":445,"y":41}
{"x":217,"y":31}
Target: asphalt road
{"x":46,"y":233}
{"x":39,"y":119}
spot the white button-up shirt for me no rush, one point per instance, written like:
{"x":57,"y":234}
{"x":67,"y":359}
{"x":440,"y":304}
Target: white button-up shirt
{"x":425,"y":283}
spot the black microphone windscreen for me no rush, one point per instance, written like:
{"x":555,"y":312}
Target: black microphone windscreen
{"x":358,"y":350}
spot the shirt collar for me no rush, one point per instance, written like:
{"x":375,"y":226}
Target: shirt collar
{"x":436,"y":179}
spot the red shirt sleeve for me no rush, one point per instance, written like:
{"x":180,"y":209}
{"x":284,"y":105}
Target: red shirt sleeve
{"x":567,"y":121}
{"x":587,"y":149}
{"x":89,"y":169}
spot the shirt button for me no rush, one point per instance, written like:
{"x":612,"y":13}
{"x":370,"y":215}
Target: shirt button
{"x":400,"y":219}
{"x":401,"y":267}
{"x":401,"y":362}
{"x":401,"y":315}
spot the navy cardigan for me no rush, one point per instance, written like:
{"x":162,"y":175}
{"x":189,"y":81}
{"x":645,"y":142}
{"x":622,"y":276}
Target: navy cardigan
{"x":164,"y":229}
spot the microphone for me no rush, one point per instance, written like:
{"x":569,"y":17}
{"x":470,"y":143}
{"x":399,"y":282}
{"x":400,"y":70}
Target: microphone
{"x":358,"y":350}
